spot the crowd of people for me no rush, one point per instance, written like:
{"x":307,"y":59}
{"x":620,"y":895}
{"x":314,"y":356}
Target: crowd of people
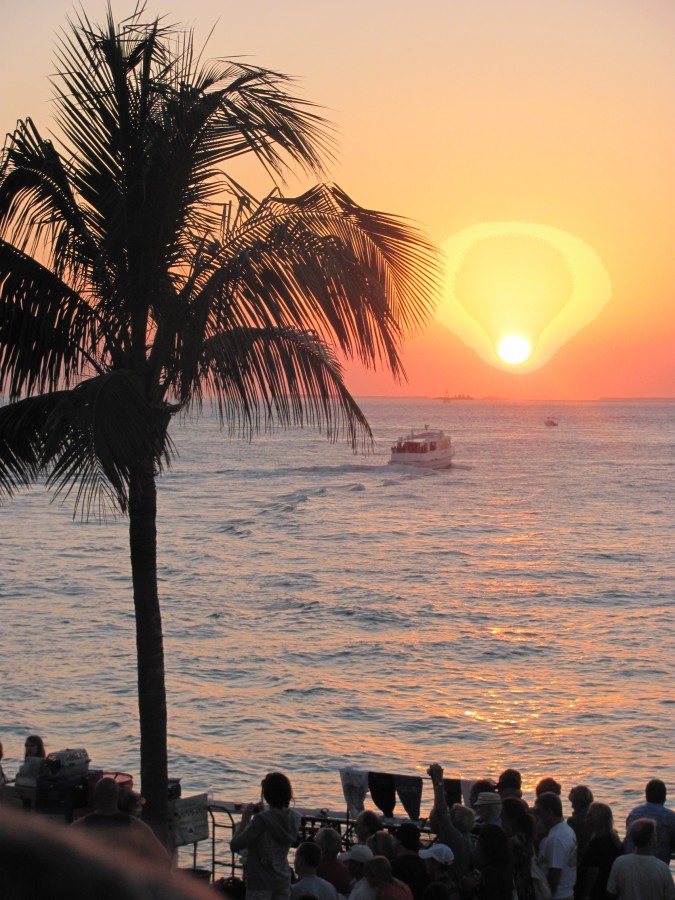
{"x":495,"y":848}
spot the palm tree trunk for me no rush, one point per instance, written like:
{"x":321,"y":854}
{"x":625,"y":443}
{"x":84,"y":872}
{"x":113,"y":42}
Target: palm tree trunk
{"x":149,"y":646}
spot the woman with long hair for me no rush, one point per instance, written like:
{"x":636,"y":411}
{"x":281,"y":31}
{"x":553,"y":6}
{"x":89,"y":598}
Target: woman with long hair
{"x":603,"y":848}
{"x":35,"y":746}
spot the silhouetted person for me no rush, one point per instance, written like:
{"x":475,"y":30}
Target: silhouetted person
{"x":378,"y":875}
{"x":407,"y":866}
{"x":367,"y":823}
{"x":331,"y":868}
{"x":109,"y":824}
{"x":640,"y":874}
{"x":309,"y":884}
{"x":580,"y":798}
{"x":557,"y":854}
{"x":39,"y":861}
{"x":655,"y":808}
{"x":267,"y":835}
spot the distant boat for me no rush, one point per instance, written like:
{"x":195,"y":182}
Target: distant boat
{"x":550,"y":421}
{"x":423,"y":450}
{"x":448,"y":399}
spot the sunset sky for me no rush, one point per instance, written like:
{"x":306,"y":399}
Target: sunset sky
{"x":556,"y":118}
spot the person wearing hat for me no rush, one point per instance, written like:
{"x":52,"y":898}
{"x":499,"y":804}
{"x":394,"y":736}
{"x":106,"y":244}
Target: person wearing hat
{"x":355,"y":858}
{"x":488,"y":808}
{"x":439,"y":859}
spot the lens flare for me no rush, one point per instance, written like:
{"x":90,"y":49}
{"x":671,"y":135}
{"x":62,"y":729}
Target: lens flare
{"x":508,"y":279}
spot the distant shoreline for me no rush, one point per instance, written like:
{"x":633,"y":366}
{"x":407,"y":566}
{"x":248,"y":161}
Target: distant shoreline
{"x":493,"y":399}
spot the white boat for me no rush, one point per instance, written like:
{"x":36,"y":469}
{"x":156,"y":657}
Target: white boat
{"x":423,"y":449}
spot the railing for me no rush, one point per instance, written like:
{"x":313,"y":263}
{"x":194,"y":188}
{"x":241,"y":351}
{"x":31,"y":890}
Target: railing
{"x":213,"y":853}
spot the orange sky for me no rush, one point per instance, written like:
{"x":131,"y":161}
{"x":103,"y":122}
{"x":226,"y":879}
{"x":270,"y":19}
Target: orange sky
{"x":457,"y":114}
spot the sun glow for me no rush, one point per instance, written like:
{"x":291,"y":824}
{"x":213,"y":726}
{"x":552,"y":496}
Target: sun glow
{"x":509,"y":279}
{"x":514,"y":349}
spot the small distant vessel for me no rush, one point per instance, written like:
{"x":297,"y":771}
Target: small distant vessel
{"x":447,"y":399}
{"x":550,"y":421}
{"x":426,"y":449}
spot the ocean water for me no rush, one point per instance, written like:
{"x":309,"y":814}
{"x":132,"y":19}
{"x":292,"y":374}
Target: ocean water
{"x":324,"y":609}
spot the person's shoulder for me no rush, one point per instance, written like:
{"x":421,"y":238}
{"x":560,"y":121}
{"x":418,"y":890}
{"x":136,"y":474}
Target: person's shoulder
{"x":637,"y":812}
{"x":328,"y":889}
{"x":140,"y":826}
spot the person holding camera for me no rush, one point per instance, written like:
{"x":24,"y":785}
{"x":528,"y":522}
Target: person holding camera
{"x":267,"y":835}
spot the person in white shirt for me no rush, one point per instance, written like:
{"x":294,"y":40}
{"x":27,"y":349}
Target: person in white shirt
{"x":557,"y":854}
{"x":641,"y":875}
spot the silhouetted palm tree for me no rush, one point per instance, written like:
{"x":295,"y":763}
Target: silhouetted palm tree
{"x":137,"y":278}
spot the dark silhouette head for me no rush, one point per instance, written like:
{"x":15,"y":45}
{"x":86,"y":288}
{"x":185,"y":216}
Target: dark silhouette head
{"x":367,"y":823}
{"x":581,"y":797}
{"x":482,"y":786}
{"x":35,"y":746}
{"x":642,"y":833}
{"x":308,"y":855}
{"x":408,"y":836}
{"x":277,"y":790}
{"x":517,"y":818}
{"x":600,"y":818}
{"x":328,"y":841}
{"x":655,"y":791}
{"x":510,"y":783}
{"x":548,"y":786}
{"x":382,"y":844}
{"x":548,"y":805}
{"x":377,"y":871}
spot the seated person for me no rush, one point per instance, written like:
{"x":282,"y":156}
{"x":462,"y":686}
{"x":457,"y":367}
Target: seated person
{"x":307,"y":858}
{"x":378,"y":875}
{"x":382,"y":844}
{"x":34,"y":760}
{"x":331,"y":868}
{"x":367,"y":823}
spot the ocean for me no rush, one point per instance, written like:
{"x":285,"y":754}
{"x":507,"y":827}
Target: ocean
{"x":324,"y":609}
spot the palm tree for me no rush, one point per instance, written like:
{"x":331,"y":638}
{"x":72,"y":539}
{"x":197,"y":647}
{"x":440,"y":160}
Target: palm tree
{"x":138,"y":279}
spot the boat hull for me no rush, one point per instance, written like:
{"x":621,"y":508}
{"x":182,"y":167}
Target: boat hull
{"x":426,"y":464}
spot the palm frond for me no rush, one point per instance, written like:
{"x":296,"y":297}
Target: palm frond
{"x":266,"y":376}
{"x":87,"y":440}
{"x":318,"y":262}
{"x":48,"y":334}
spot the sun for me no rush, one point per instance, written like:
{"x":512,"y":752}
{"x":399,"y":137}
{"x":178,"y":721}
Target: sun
{"x":515,"y":292}
{"x":514,"y":349}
